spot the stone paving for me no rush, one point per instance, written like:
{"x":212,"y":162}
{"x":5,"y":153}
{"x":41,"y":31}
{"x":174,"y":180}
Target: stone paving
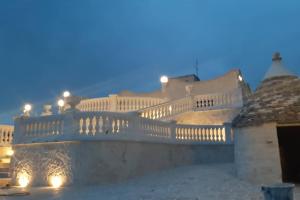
{"x":207,"y":182}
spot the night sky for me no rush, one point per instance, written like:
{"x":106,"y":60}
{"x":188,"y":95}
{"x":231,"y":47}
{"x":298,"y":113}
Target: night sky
{"x":94,"y":47}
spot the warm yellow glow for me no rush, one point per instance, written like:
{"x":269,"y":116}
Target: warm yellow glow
{"x":66,"y":94}
{"x":10,"y":152}
{"x":164,"y":79}
{"x":240,"y":78}
{"x":23,"y":180}
{"x":56,"y":181}
{"x":27,"y":107}
{"x":61,"y":103}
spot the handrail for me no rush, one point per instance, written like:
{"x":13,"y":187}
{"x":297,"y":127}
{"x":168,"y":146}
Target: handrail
{"x":167,"y":110}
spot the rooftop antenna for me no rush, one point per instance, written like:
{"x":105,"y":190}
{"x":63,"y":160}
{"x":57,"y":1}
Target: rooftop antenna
{"x":196,"y":68}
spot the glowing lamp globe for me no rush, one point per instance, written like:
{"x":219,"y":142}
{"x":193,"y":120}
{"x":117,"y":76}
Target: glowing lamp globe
{"x":66,"y":94}
{"x":61,"y":103}
{"x":56,"y":181}
{"x":164,"y":79}
{"x":27,"y":107}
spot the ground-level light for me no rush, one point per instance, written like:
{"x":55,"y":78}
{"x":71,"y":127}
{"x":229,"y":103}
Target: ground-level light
{"x":23,"y":180}
{"x":56,"y":181}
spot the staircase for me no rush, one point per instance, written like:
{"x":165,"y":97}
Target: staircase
{"x":169,"y":110}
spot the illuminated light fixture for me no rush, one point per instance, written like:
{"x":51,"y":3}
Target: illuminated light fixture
{"x":56,"y":181}
{"x":10,"y":152}
{"x":27,"y":107}
{"x":66,"y":94}
{"x":240,"y":78}
{"x":164,"y":79}
{"x":61,"y":103}
{"x":23,"y":180}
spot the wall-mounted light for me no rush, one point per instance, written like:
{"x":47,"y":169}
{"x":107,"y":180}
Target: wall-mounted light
{"x":240,"y":78}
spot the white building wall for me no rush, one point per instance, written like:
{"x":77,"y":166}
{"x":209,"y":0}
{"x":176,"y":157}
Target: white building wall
{"x":257,"y":155}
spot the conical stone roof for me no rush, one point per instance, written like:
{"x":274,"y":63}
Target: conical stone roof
{"x":277,"y":99}
{"x":277,"y":68}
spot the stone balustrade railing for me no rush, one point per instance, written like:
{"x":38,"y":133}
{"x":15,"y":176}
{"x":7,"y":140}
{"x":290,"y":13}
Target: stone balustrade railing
{"x":116,"y":103}
{"x":168,"y":110}
{"x":6,"y":134}
{"x":218,"y":100}
{"x":114,"y":126}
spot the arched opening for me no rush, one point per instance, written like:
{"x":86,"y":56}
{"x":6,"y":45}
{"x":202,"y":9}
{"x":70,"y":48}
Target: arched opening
{"x":289,"y":147}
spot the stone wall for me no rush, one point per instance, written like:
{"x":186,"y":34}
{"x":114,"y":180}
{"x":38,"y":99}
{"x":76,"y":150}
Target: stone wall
{"x":212,"y":117}
{"x":257,"y":154}
{"x":93,"y":162}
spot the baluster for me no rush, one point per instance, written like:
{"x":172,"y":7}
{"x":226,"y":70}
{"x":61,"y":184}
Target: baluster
{"x":219,"y":135}
{"x":211,"y":135}
{"x":195,"y":134}
{"x":84,"y":126}
{"x":81,"y":126}
{"x":100,"y":121}
{"x":94,"y":125}
{"x":224,"y":135}
{"x":215,"y":135}
{"x":200,"y":134}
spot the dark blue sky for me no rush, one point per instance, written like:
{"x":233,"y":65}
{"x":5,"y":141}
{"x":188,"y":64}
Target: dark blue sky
{"x":95,"y":47}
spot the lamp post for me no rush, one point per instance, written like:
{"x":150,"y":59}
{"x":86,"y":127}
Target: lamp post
{"x":61,"y":104}
{"x":164,"y":80}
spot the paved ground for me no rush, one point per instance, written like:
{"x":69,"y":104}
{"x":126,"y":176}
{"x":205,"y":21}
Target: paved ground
{"x":207,"y":182}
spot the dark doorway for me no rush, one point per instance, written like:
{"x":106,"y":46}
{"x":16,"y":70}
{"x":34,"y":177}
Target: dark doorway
{"x":289,"y":147}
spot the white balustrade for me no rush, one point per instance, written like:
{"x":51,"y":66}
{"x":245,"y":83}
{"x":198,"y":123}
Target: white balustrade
{"x":167,"y":109}
{"x":155,"y":128}
{"x":114,"y":126}
{"x":116,"y":103}
{"x":43,"y":126}
{"x":95,"y":123}
{"x":218,"y":100}
{"x":6,"y":134}
{"x":98,"y":104}
{"x":206,"y":134}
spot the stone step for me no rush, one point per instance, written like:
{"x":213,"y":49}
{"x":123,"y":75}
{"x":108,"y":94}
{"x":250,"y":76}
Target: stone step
{"x":4,"y":175}
{"x":4,"y":165}
{"x":4,"y":181}
{"x":4,"y":170}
